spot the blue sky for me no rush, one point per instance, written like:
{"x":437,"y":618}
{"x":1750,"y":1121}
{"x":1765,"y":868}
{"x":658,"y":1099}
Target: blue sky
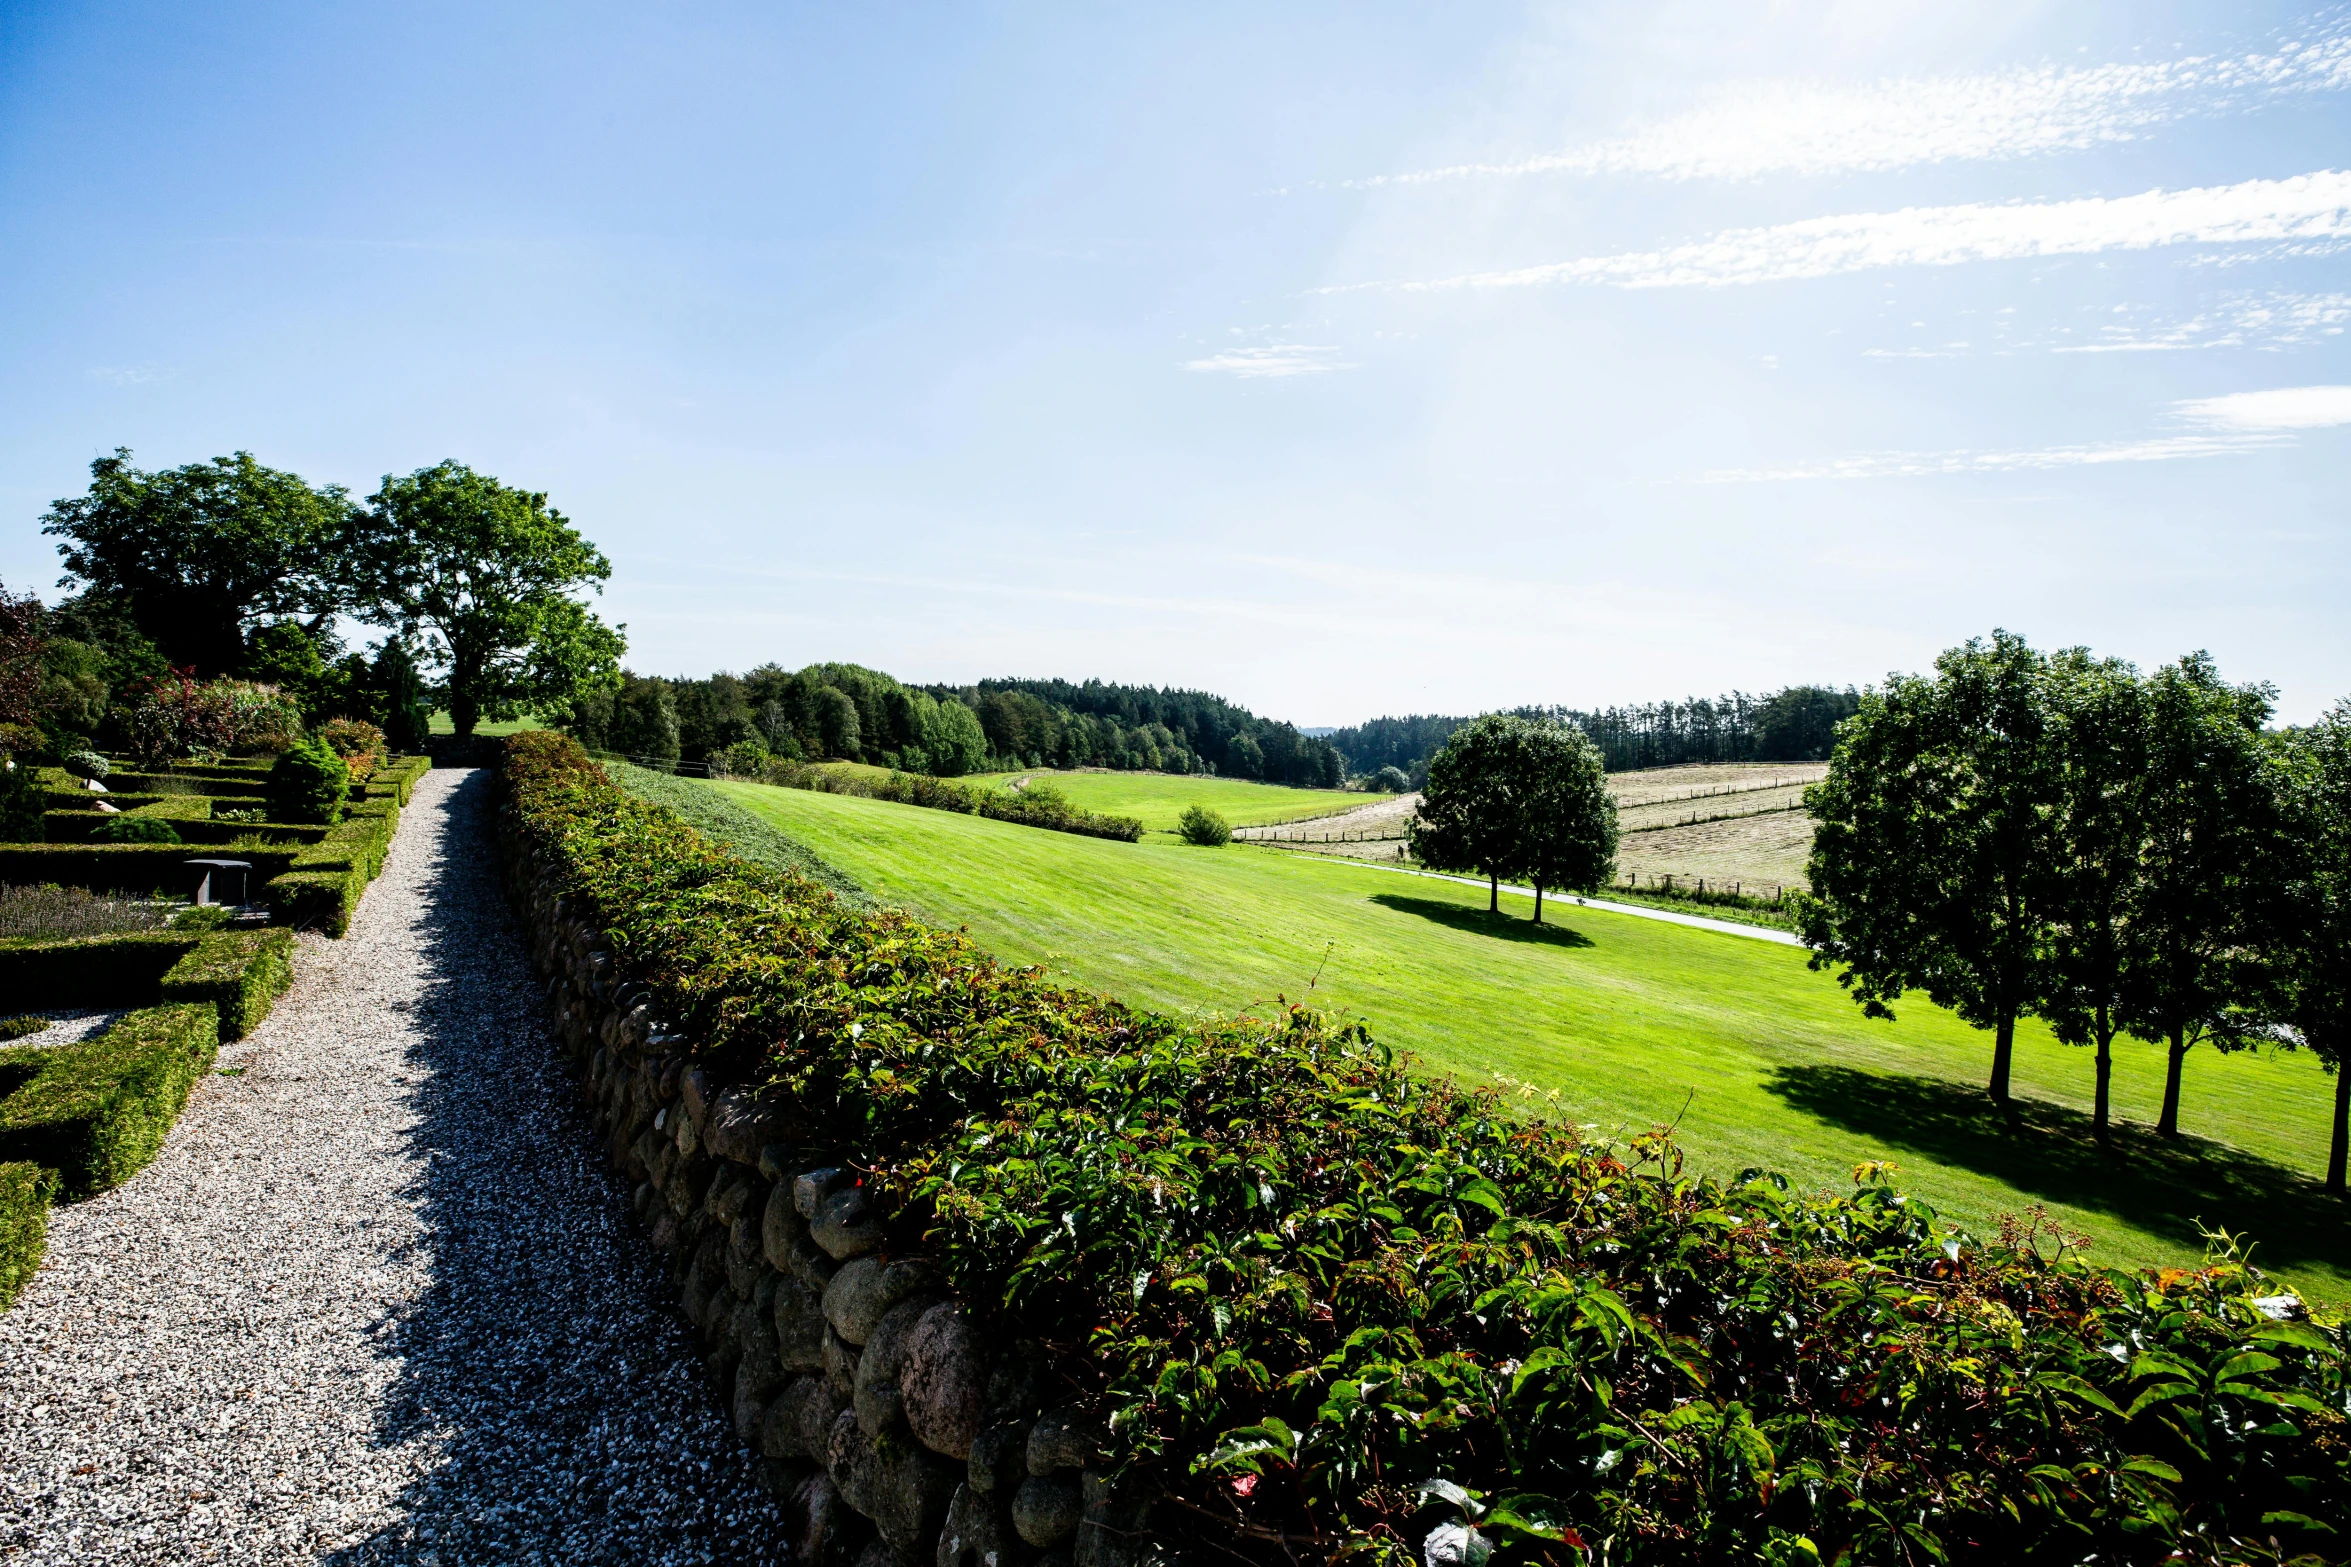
{"x":1344,"y":360}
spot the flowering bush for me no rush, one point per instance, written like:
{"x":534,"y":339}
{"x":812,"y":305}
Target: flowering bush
{"x":1333,"y":1308}
{"x":180,"y":716}
{"x":359,"y":743}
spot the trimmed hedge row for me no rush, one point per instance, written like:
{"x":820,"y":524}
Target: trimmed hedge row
{"x":139,"y":868}
{"x":238,"y":972}
{"x":1327,"y":1307}
{"x":25,"y":1191}
{"x":1038,"y":806}
{"x":96,"y":1111}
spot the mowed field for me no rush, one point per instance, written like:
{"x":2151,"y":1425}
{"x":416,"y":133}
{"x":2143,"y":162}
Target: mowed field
{"x":1158,"y":799}
{"x":1628,"y":1022}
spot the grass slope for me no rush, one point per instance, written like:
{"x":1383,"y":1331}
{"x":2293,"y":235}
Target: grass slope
{"x":753,"y":836}
{"x":1158,"y":799}
{"x":1629,"y":1022}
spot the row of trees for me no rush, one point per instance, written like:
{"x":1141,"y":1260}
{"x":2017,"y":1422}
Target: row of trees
{"x":2119,"y":854}
{"x":231,"y":569}
{"x":1518,"y":797}
{"x":859,"y":714}
{"x":1792,"y":725}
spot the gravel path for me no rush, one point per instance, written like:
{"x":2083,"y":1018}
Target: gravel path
{"x":377,"y":1301}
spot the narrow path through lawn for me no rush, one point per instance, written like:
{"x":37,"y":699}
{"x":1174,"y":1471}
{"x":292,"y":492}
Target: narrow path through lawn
{"x":377,"y":1300}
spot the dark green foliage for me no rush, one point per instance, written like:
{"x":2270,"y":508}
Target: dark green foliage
{"x":54,"y":913}
{"x":1469,"y":813}
{"x":199,"y":554}
{"x":22,"y":802}
{"x":18,"y":1027}
{"x":96,"y":1111}
{"x":1039,"y":805}
{"x":1391,"y":780}
{"x":398,"y":703}
{"x":240,"y":972}
{"x":315,"y":900}
{"x":1797,"y":724}
{"x":140,"y":869}
{"x":309,"y":784}
{"x":1329,"y":1306}
{"x":2305,"y":918}
{"x":25,"y":1191}
{"x":1204,"y":827}
{"x":722,"y":821}
{"x":129,"y":828}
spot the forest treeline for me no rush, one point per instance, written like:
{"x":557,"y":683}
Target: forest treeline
{"x":1797,"y":724}
{"x":849,"y":712}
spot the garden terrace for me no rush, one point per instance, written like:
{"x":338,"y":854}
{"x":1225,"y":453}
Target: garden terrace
{"x":981,"y":1259}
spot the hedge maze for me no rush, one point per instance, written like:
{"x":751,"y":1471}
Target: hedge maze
{"x":81,"y":1118}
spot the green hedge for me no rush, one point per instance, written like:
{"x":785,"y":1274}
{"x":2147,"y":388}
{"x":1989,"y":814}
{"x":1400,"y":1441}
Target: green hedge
{"x":121,"y":867}
{"x":315,"y":900}
{"x":99,"y":972}
{"x":25,"y":1190}
{"x":1330,"y":1307}
{"x":97,"y":1111}
{"x":77,"y":826}
{"x":397,"y":779}
{"x":240,"y":972}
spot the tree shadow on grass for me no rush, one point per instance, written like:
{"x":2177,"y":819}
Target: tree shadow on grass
{"x":2167,"y":1186}
{"x":1478,"y":922}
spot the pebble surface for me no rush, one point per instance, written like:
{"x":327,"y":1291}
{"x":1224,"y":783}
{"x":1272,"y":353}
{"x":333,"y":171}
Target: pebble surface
{"x":377,"y":1300}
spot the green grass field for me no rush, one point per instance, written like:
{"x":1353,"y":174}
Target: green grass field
{"x":1158,"y":799}
{"x":441,"y":724}
{"x":1629,"y":1022}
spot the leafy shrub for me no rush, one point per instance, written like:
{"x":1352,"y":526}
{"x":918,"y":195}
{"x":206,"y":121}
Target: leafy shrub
{"x":19,"y":1027}
{"x":308,"y":784}
{"x":1204,"y":827}
{"x":22,"y":739}
{"x":1040,"y":805}
{"x":51,"y":912}
{"x":360,"y":744}
{"x":88,"y":765}
{"x":1333,"y":1308}
{"x":22,"y":800}
{"x":179,"y":716}
{"x":128,"y":828}
{"x":1391,"y":780}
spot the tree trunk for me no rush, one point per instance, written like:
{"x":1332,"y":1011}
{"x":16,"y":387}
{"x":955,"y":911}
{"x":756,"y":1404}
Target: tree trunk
{"x":1538,"y":903}
{"x":464,"y":711}
{"x":2169,"y":1123}
{"x":2105,"y":1082}
{"x":2342,"y":1137}
{"x":1493,"y":893}
{"x":2003,"y":1052}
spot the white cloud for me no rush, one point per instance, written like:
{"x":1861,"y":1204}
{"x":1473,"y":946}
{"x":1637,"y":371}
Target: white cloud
{"x":127,"y":375}
{"x":2237,"y":321}
{"x":1274,"y":359}
{"x":2307,"y":206}
{"x":1911,"y":465}
{"x":2286,"y":408}
{"x":1756,"y":128}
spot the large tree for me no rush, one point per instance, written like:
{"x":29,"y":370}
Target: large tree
{"x":203,"y":554}
{"x":2208,"y":815}
{"x":2306,"y":924}
{"x":1567,"y":817}
{"x":2099,"y":830}
{"x":490,"y":573}
{"x":1932,"y":847}
{"x":1470,"y":816}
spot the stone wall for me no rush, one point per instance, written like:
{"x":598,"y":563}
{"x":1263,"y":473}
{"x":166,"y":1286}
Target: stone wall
{"x":890,"y":1431}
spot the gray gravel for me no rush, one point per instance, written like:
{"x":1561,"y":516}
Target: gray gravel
{"x":66,"y":1027}
{"x":377,"y":1300}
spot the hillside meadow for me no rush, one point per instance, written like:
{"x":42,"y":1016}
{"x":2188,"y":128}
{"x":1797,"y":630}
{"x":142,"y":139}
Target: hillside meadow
{"x":1620,"y":1022}
{"x":1158,"y":799}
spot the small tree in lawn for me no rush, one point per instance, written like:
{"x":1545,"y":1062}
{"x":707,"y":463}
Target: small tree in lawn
{"x":1931,"y":851}
{"x":490,"y":572}
{"x":1470,"y":816}
{"x":2099,"y":827}
{"x":1569,"y":817}
{"x":2209,"y":817}
{"x":2306,"y":922}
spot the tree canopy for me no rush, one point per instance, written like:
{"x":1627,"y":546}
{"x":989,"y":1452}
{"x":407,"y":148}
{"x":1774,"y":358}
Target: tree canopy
{"x":1511,"y":797}
{"x":489,"y":573}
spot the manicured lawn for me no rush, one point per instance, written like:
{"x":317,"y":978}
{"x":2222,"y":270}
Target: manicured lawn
{"x":1158,"y":799}
{"x":1629,"y":1022}
{"x":441,"y":724}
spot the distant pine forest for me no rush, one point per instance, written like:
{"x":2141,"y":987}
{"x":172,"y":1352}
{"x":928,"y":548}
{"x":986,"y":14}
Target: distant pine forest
{"x":849,"y":712}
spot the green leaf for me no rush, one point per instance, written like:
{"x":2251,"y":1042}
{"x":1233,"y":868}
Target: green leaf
{"x":2152,"y":1466}
{"x":2075,"y":1387}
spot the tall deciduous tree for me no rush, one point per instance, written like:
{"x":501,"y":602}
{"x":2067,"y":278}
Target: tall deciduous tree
{"x":2099,"y":829}
{"x":2306,"y":934}
{"x":2208,"y":816}
{"x":489,"y":572}
{"x":201,"y":554}
{"x":1567,"y":816}
{"x":1470,"y":812}
{"x":1931,"y":857}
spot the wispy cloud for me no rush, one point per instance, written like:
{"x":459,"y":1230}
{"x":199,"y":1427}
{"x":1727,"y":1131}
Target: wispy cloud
{"x":2305,"y":207}
{"x":2236,"y":425}
{"x":1274,"y":359}
{"x":2285,"y":408}
{"x":2269,"y":322}
{"x":1756,"y":128}
{"x":126,"y":375}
